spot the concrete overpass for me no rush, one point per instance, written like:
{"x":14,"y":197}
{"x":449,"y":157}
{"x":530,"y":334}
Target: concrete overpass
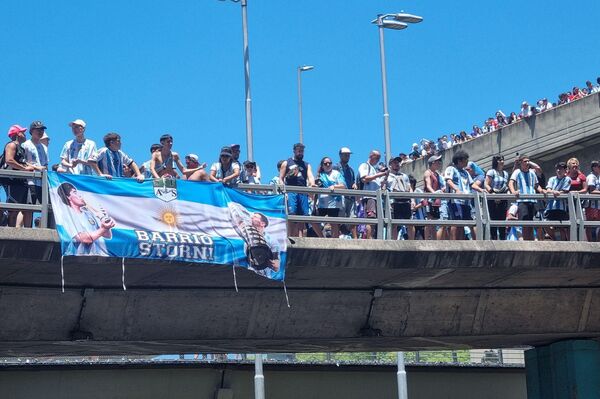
{"x":570,"y":130}
{"x":345,"y":296}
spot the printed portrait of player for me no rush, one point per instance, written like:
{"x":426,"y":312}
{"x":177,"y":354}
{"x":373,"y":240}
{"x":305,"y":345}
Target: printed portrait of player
{"x":262,"y":251}
{"x":88,"y":227}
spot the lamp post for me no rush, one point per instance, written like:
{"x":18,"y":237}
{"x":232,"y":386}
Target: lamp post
{"x":248,"y":100}
{"x":397,"y":22}
{"x":301,"y":69}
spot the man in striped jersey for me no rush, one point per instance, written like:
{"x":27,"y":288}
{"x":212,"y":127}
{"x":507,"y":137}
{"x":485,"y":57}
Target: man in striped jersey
{"x":524,"y":181}
{"x":592,"y":211}
{"x":556,"y":210}
{"x":459,"y":181}
{"x":111,"y":159}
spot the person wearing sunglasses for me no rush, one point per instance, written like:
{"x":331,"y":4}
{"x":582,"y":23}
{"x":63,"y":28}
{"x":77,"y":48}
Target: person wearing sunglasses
{"x":329,"y":204}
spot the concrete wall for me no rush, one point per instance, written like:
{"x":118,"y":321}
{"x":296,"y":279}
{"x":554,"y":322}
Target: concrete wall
{"x":290,"y":382}
{"x":565,"y":131}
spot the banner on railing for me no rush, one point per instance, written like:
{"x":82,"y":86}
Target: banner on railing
{"x":170,"y":220}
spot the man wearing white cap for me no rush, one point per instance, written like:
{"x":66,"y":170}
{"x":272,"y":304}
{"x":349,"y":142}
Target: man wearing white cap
{"x":78,"y":156}
{"x":193,"y":170}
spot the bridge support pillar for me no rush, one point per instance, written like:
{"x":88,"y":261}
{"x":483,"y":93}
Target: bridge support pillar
{"x":564,"y":370}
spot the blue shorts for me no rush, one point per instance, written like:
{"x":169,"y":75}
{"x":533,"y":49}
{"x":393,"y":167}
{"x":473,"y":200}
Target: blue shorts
{"x":459,"y":211}
{"x":297,"y":204}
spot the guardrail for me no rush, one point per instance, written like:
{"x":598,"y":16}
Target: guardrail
{"x":462,"y":357}
{"x":479,"y":201}
{"x":384,"y":222}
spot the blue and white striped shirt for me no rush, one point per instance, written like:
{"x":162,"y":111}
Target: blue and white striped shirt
{"x":111,"y":162}
{"x":556,"y":184}
{"x":526,"y":183}
{"x":498,"y":180}
{"x":463,"y":181}
{"x":593,"y":182}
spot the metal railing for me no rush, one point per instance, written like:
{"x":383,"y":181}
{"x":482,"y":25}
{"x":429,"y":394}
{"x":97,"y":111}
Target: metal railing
{"x":482,"y":221}
{"x":383,"y":198}
{"x":462,"y":357}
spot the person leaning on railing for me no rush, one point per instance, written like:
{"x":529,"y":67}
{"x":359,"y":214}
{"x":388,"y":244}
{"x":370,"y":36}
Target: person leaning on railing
{"x":524,"y":180}
{"x":592,"y":207}
{"x":16,"y":189}
{"x":496,"y":182}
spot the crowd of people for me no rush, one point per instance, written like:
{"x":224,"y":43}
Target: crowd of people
{"x":81,"y":156}
{"x":428,"y":147}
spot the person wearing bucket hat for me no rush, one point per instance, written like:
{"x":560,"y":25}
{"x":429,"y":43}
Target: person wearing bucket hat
{"x":14,"y":159}
{"x":225,"y":170}
{"x":78,"y":155}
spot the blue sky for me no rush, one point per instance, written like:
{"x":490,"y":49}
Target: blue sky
{"x":143,"y":68}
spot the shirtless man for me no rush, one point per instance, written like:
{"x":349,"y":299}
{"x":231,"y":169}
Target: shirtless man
{"x":161,"y":164}
{"x":195,"y":171}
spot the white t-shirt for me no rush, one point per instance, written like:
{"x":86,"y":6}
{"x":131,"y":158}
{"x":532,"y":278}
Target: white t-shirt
{"x":85,"y":151}
{"x":366,"y":169}
{"x":35,"y":154}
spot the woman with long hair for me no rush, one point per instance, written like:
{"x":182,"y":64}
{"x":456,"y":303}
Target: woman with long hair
{"x":496,"y":182}
{"x":329,"y":204}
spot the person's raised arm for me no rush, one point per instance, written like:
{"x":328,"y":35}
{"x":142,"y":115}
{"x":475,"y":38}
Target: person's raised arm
{"x":178,"y":162}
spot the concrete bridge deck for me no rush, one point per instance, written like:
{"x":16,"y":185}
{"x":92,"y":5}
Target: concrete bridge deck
{"x":345,"y":296}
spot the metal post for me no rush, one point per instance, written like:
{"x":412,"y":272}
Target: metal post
{"x":391,"y":234}
{"x":486,"y":218}
{"x":44,"y":216}
{"x":572,"y":217}
{"x":249,"y":138}
{"x":401,"y":375}
{"x":479,"y":234}
{"x":300,"y":104}
{"x":259,"y":378}
{"x":380,"y":215}
{"x":386,"y":114}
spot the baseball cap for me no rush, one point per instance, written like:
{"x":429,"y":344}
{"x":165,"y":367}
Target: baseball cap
{"x":226,"y":151}
{"x":37,"y":125}
{"x":396,"y":159}
{"x":345,"y":150}
{"x":79,"y":122}
{"x":298,"y":145}
{"x":249,"y":164}
{"x":193,"y":157}
{"x":14,"y":130}
{"x":234,"y":146}
{"x":434,"y":158}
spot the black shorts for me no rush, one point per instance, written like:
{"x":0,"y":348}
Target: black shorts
{"x":16,"y":193}
{"x":433,"y":212}
{"x":459,"y":211}
{"x":332,"y":212}
{"x":36,"y":194}
{"x":526,"y":210}
{"x":556,"y":214}
{"x":401,"y":210}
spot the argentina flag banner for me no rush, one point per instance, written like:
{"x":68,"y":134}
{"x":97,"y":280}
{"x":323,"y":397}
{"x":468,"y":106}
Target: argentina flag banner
{"x":174,"y":220}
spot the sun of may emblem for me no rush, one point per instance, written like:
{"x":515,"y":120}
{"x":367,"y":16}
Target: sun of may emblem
{"x":168,"y":216}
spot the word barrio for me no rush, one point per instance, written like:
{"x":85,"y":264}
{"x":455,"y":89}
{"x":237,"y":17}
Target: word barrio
{"x":171,"y":220}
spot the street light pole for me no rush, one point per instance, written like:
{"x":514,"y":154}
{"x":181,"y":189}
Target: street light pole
{"x":386,"y":114}
{"x":259,"y":378}
{"x":249,"y":138}
{"x":300,"y":70}
{"x":398,"y":22}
